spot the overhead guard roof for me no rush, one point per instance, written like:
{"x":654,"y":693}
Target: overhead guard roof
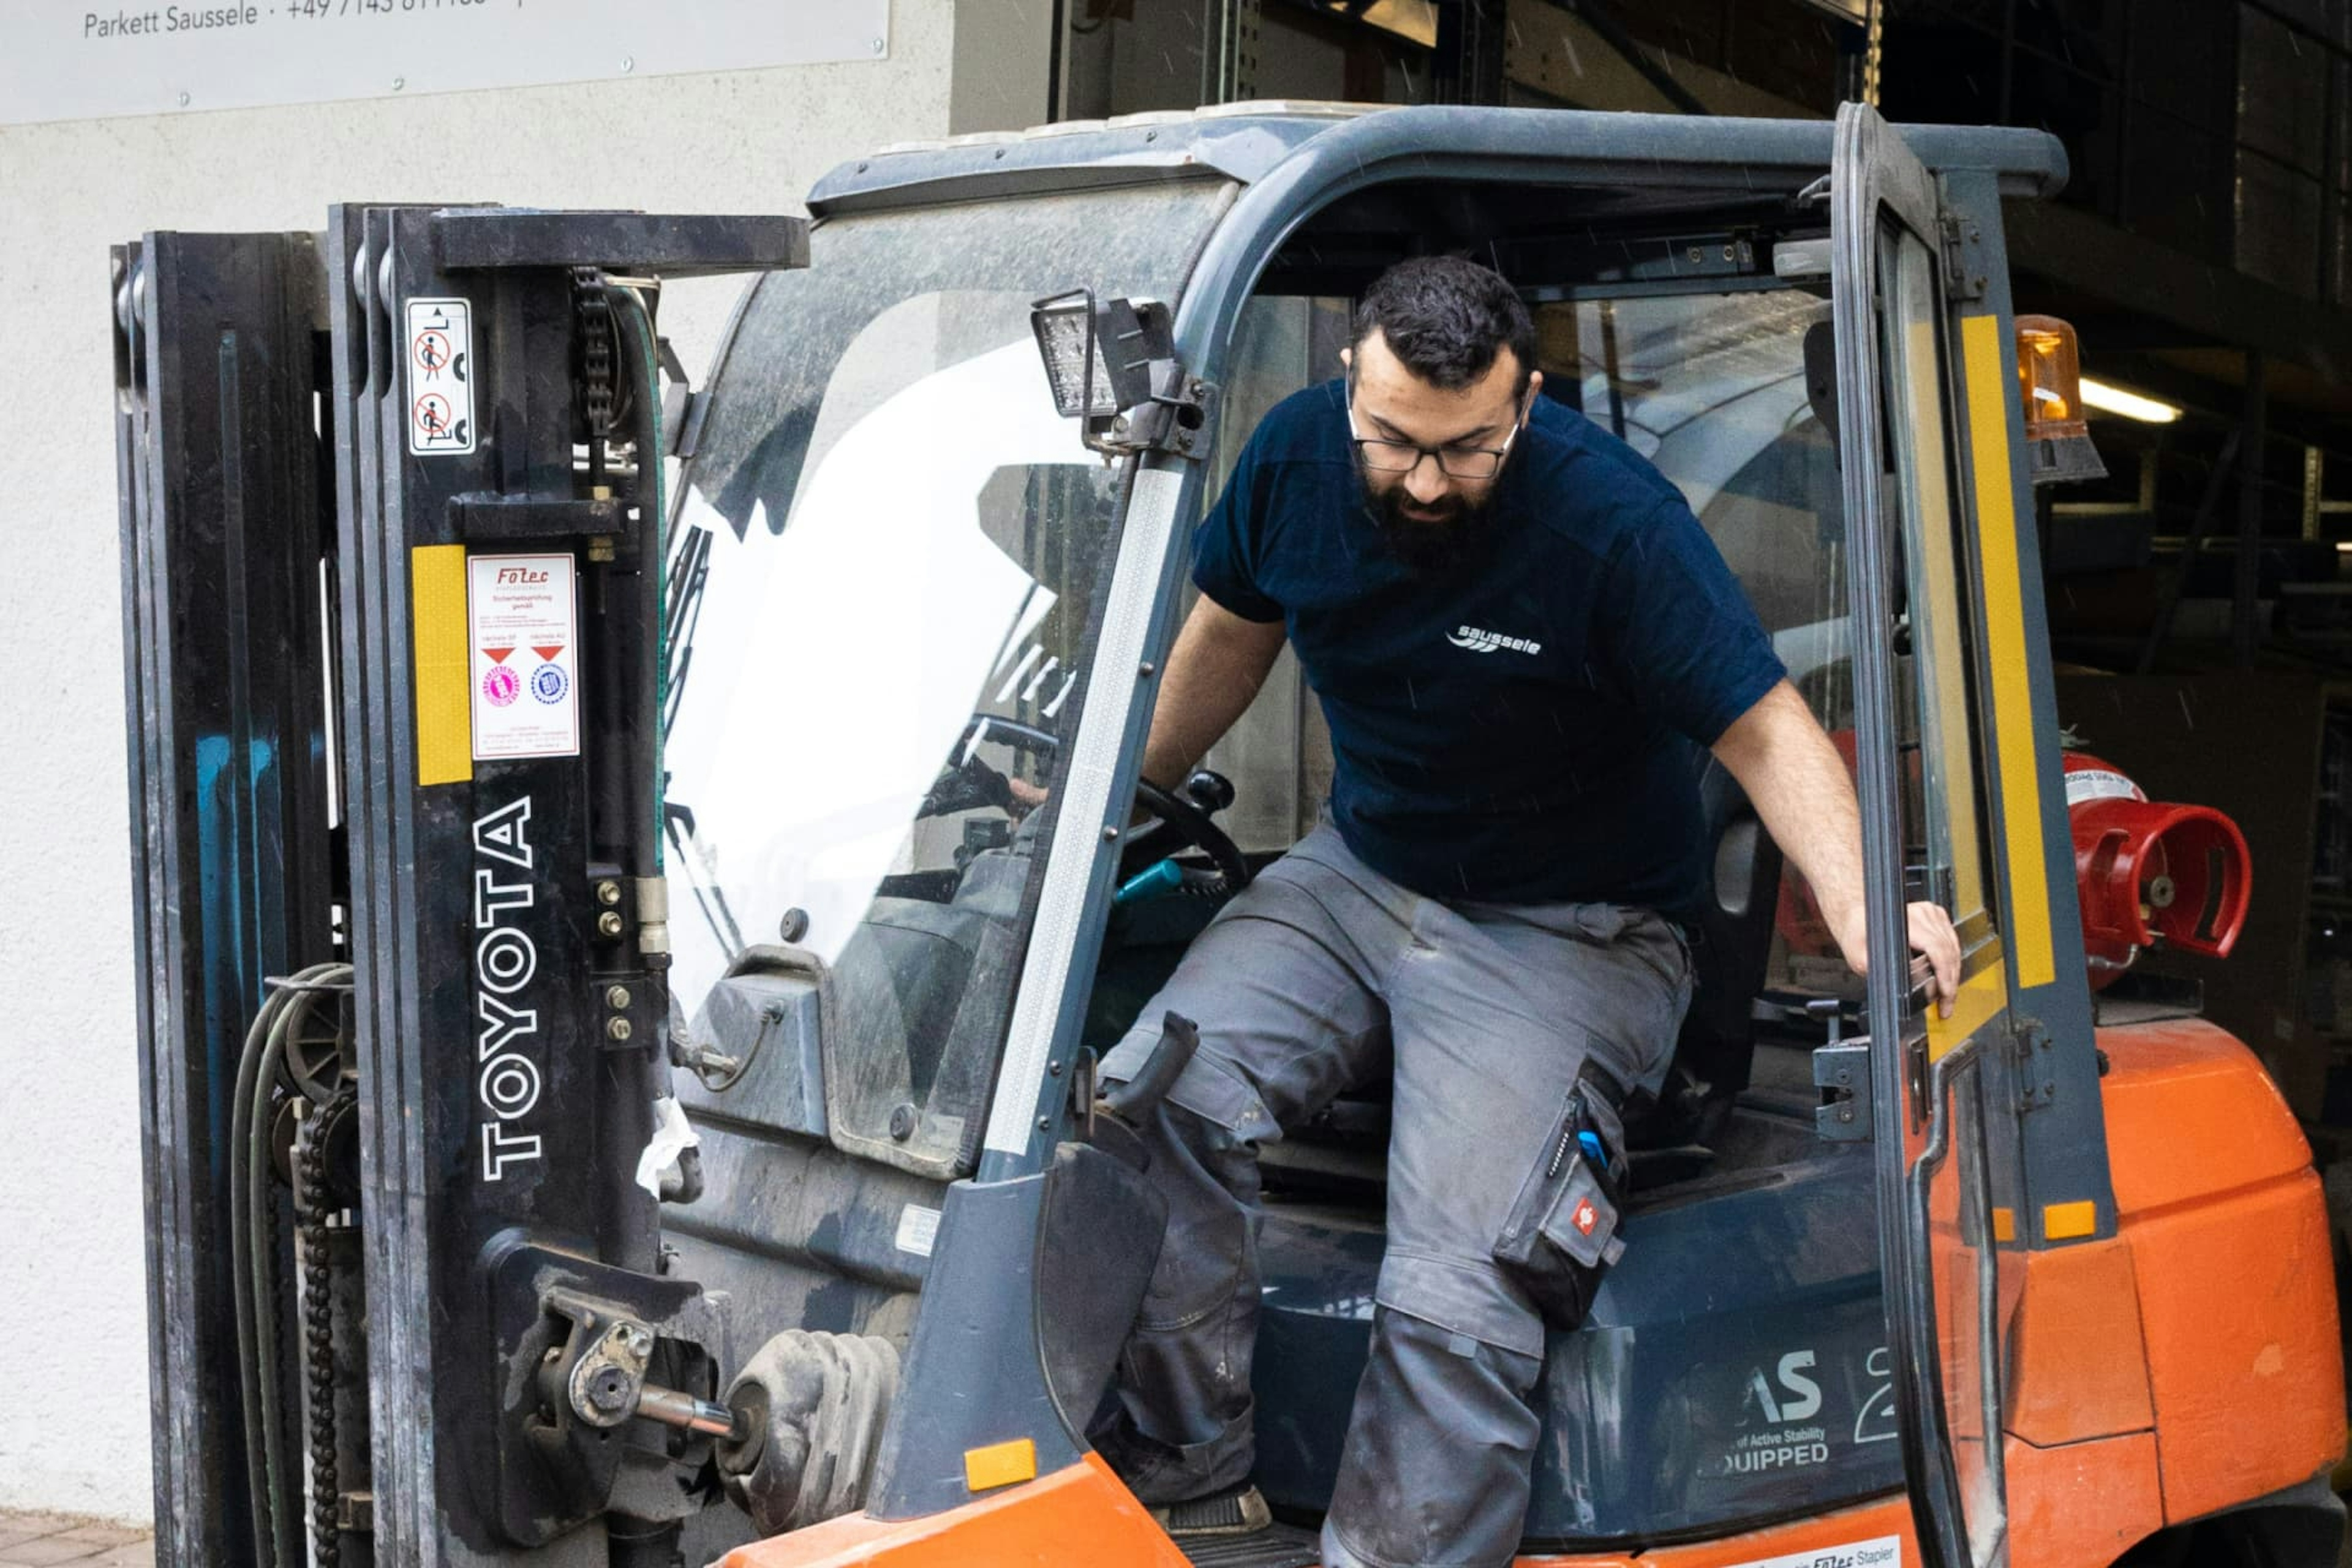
{"x":1246,"y":142}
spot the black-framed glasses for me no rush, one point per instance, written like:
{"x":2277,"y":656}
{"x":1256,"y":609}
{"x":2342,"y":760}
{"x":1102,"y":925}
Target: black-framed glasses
{"x":1386,"y":456}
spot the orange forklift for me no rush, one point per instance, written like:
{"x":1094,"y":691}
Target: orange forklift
{"x":825,"y":1254}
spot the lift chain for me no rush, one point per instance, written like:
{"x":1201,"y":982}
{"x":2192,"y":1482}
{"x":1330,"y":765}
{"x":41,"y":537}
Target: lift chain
{"x":595,"y":319}
{"x":318,"y":1324}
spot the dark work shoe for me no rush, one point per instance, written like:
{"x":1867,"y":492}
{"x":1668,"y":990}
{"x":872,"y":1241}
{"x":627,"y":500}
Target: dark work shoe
{"x":1236,"y":1510}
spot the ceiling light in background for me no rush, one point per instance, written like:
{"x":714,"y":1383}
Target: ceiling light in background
{"x":2109,"y":399}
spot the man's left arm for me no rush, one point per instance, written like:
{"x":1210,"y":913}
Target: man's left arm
{"x":1800,"y":790}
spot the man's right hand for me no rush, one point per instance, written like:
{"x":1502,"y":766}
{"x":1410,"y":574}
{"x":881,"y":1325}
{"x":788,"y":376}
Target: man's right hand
{"x":1932,"y":937}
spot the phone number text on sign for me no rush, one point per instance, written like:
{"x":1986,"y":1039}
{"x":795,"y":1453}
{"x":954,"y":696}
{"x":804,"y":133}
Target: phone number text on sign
{"x":321,"y":10}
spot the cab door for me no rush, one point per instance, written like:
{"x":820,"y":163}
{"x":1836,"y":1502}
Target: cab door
{"x":1944,"y":1123}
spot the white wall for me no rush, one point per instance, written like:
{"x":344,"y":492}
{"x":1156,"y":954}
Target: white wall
{"x":73,"y":1334}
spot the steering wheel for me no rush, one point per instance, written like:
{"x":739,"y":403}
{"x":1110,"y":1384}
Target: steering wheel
{"x":1183,"y":819}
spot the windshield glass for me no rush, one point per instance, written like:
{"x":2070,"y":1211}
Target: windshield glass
{"x":884,"y":578}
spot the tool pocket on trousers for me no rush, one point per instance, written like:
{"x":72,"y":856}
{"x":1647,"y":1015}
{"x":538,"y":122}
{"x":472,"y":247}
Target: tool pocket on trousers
{"x":1563,"y":1232}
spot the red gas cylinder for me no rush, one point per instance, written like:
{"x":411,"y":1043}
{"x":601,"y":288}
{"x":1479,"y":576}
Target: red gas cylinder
{"x":2150,"y":872}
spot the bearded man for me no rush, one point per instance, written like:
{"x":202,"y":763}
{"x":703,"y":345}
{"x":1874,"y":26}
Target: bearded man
{"x":1517,"y":630}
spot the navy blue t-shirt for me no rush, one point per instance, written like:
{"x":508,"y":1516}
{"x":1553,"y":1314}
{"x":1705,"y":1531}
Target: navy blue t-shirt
{"x":1510,"y":729}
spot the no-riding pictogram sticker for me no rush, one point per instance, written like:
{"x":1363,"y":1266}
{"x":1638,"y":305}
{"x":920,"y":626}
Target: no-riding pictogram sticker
{"x":432,"y":352}
{"x":440,"y":338}
{"x":433,"y":416}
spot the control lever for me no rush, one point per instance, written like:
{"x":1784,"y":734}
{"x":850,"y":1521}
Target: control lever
{"x":1179,"y":1038}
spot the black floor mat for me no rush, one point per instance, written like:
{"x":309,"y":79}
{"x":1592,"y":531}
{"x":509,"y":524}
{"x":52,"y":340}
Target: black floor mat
{"x":1276,"y":1546}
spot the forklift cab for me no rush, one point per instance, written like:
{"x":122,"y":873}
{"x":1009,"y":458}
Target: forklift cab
{"x":925,"y":549}
{"x":1812,"y":341}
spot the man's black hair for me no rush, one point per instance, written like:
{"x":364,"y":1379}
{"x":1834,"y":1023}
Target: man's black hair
{"x":1446,"y":319}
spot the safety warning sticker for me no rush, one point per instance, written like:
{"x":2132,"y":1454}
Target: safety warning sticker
{"x":440,"y":377}
{"x":1886,"y":1551}
{"x":2099,"y":783}
{"x":523,"y":624}
{"x":918,"y":1229}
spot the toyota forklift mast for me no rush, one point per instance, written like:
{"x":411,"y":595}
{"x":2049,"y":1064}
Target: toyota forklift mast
{"x":393,"y":555}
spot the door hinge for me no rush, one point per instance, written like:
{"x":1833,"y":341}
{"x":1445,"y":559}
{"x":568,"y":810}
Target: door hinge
{"x":2036,"y":1057}
{"x":1965,"y":274}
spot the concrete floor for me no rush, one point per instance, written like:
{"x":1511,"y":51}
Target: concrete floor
{"x":38,"y":1539}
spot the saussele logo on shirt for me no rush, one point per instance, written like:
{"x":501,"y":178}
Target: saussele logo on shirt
{"x":1478,"y":641}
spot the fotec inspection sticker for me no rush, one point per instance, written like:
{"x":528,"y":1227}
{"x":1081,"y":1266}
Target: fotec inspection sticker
{"x":1886,"y":1551}
{"x":523,"y":622}
{"x":440,"y":343}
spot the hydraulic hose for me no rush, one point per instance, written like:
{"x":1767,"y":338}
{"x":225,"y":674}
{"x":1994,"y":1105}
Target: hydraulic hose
{"x":629,"y":1234}
{"x":260,"y":1243}
{"x":257,"y":1479}
{"x":637,"y":336}
{"x":272,"y":1484}
{"x":627,"y":1097}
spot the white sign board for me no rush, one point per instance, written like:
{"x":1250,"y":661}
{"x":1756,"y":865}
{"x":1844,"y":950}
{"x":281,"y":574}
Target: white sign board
{"x":83,"y":59}
{"x":522,"y":621}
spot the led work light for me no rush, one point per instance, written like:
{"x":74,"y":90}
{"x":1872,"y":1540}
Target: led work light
{"x":1105,"y":346}
{"x":1108,"y":360}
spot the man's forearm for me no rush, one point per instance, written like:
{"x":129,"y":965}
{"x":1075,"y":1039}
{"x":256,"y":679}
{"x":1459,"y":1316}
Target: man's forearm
{"x":1804,"y":796}
{"x":1800,"y":789}
{"x":1214,"y":672}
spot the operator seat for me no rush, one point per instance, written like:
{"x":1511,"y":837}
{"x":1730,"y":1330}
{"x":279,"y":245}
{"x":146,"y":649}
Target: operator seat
{"x":1731,"y":945}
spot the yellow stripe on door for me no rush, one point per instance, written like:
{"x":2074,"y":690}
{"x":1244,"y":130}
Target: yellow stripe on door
{"x":1989,"y":374}
{"x":1980,"y":996}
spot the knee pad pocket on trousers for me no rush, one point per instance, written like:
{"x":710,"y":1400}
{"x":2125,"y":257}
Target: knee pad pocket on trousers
{"x":1563,"y":1230}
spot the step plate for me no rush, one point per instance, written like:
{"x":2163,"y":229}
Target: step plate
{"x":1276,"y":1546}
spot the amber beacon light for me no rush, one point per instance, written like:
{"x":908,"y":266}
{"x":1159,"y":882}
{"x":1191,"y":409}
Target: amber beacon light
{"x":2049,"y":375}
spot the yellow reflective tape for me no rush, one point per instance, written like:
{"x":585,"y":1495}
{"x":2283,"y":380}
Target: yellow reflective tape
{"x":2004,"y":1225}
{"x":2063,"y":1221}
{"x":1000,"y":1463}
{"x":444,"y":722}
{"x":1981,"y":996}
{"x":1989,"y":371}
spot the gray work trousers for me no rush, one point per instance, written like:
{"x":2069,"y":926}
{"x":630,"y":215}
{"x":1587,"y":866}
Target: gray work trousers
{"x":1325,"y":974}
